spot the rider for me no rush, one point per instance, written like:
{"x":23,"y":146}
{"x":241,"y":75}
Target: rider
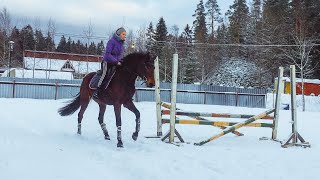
{"x":112,"y":58}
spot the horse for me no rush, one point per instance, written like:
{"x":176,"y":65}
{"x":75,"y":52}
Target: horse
{"x":119,"y":92}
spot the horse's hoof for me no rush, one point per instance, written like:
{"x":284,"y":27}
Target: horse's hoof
{"x":135,"y":136}
{"x":107,"y":137}
{"x":120,"y":144}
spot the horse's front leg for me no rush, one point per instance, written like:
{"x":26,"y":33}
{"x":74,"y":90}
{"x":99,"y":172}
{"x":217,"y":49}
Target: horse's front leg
{"x":117,"y":112}
{"x":130,"y":105}
{"x":102,"y":110}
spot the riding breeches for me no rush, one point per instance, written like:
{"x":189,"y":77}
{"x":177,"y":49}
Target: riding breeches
{"x":104,"y":68}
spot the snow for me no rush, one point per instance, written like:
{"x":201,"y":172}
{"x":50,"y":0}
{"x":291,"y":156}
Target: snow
{"x":313,"y":81}
{"x":57,"y":64}
{"x":36,"y":143}
{"x":23,"y":73}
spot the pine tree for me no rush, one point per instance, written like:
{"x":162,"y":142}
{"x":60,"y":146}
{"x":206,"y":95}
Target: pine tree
{"x":200,"y":28}
{"x":100,"y":48}
{"x":40,"y":41}
{"x":28,"y":42}
{"x":17,"y":54}
{"x":214,"y":16}
{"x":150,"y":38}
{"x":50,"y":46}
{"x":161,"y":30}
{"x":238,"y":18}
{"x":92,"y":48}
{"x":73,"y":47}
{"x":162,"y":50}
{"x":62,"y":45}
{"x":68,"y":46}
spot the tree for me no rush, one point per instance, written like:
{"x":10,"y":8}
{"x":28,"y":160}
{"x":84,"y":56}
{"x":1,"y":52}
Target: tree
{"x":62,"y":45}
{"x":200,"y":28}
{"x":100,"y":48}
{"x":129,"y":42}
{"x":214,"y":16}
{"x":16,"y":55}
{"x":92,"y":48}
{"x":201,"y":50}
{"x":150,"y":39}
{"x":68,"y":46}
{"x":51,"y":31}
{"x":40,"y":41}
{"x":301,"y":57}
{"x":238,"y":18}
{"x":27,"y":36}
{"x":5,"y":30}
{"x":140,"y":40}
{"x":162,"y":49}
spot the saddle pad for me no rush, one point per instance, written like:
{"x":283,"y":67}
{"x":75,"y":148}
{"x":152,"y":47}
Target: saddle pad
{"x":94,"y":81}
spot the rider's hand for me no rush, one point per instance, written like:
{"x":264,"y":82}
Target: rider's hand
{"x":119,"y":64}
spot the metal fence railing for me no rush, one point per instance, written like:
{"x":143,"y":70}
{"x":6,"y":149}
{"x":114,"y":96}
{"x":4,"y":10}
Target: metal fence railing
{"x":186,"y":93}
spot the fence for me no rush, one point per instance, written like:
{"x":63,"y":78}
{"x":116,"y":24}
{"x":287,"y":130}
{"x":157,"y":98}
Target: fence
{"x":187,"y":93}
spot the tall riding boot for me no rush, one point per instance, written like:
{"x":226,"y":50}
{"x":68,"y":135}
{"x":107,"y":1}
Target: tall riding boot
{"x":99,"y":91}
{"x":109,"y":75}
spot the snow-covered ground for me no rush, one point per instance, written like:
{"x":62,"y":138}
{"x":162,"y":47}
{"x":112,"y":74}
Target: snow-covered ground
{"x":37,"y":144}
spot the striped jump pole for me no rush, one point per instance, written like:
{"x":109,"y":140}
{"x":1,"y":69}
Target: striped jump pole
{"x":168,"y":106}
{"x":216,"y":123}
{"x":222,"y":115}
{"x":236,"y":126}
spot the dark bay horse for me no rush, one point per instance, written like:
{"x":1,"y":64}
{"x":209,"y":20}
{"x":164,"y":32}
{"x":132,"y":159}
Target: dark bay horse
{"x":119,"y":92}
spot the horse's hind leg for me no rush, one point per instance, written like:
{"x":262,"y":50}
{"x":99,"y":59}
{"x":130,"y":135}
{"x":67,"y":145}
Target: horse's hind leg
{"x":129,"y":105}
{"x":102,"y":124}
{"x":83,"y":105}
{"x":117,"y":112}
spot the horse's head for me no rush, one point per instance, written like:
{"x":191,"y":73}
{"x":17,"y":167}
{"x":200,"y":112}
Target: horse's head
{"x":142,"y":64}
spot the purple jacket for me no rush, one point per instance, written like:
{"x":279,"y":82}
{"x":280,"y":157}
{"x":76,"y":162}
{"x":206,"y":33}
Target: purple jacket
{"x":114,"y":50}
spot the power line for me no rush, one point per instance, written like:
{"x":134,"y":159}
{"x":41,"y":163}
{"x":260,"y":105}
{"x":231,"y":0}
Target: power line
{"x":173,"y":43}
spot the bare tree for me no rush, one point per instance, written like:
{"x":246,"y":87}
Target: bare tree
{"x":129,"y":41}
{"x":300,"y":56}
{"x":5,"y":31}
{"x":140,"y":42}
{"x":88,"y":32}
{"x":51,"y":32}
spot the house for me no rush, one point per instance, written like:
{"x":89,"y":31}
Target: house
{"x":311,"y":86}
{"x":77,"y":64}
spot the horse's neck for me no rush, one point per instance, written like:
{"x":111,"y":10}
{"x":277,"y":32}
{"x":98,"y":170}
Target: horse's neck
{"x":129,"y":76}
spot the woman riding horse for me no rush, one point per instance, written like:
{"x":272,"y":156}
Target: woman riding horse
{"x":111,"y":59}
{"x":119,"y":92}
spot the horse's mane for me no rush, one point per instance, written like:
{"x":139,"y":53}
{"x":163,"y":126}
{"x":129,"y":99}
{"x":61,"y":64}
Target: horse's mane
{"x":136,"y":56}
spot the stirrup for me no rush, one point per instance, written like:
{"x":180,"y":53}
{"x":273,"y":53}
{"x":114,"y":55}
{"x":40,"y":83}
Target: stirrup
{"x":95,"y":94}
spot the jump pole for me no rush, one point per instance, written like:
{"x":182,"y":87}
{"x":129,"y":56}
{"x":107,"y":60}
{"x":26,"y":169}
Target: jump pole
{"x":236,"y":126}
{"x":158,"y":97}
{"x":254,"y":118}
{"x":294,"y":137}
{"x":277,"y":106}
{"x":174,"y":82}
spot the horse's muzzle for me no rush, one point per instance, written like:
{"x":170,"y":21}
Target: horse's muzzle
{"x":150,"y":84}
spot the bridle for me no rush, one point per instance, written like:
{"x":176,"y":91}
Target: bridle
{"x":143,"y":77}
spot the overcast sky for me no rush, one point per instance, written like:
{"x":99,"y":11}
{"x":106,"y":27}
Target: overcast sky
{"x":72,"y":16}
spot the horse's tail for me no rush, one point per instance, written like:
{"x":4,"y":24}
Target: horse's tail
{"x":71,"y":107}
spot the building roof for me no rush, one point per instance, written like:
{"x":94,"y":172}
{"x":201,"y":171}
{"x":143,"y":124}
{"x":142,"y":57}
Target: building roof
{"x":62,"y":56}
{"x":56,"y":61}
{"x":23,"y":73}
{"x":313,"y":81}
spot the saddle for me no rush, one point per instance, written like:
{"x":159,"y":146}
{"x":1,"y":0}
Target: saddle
{"x":95,"y":80}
